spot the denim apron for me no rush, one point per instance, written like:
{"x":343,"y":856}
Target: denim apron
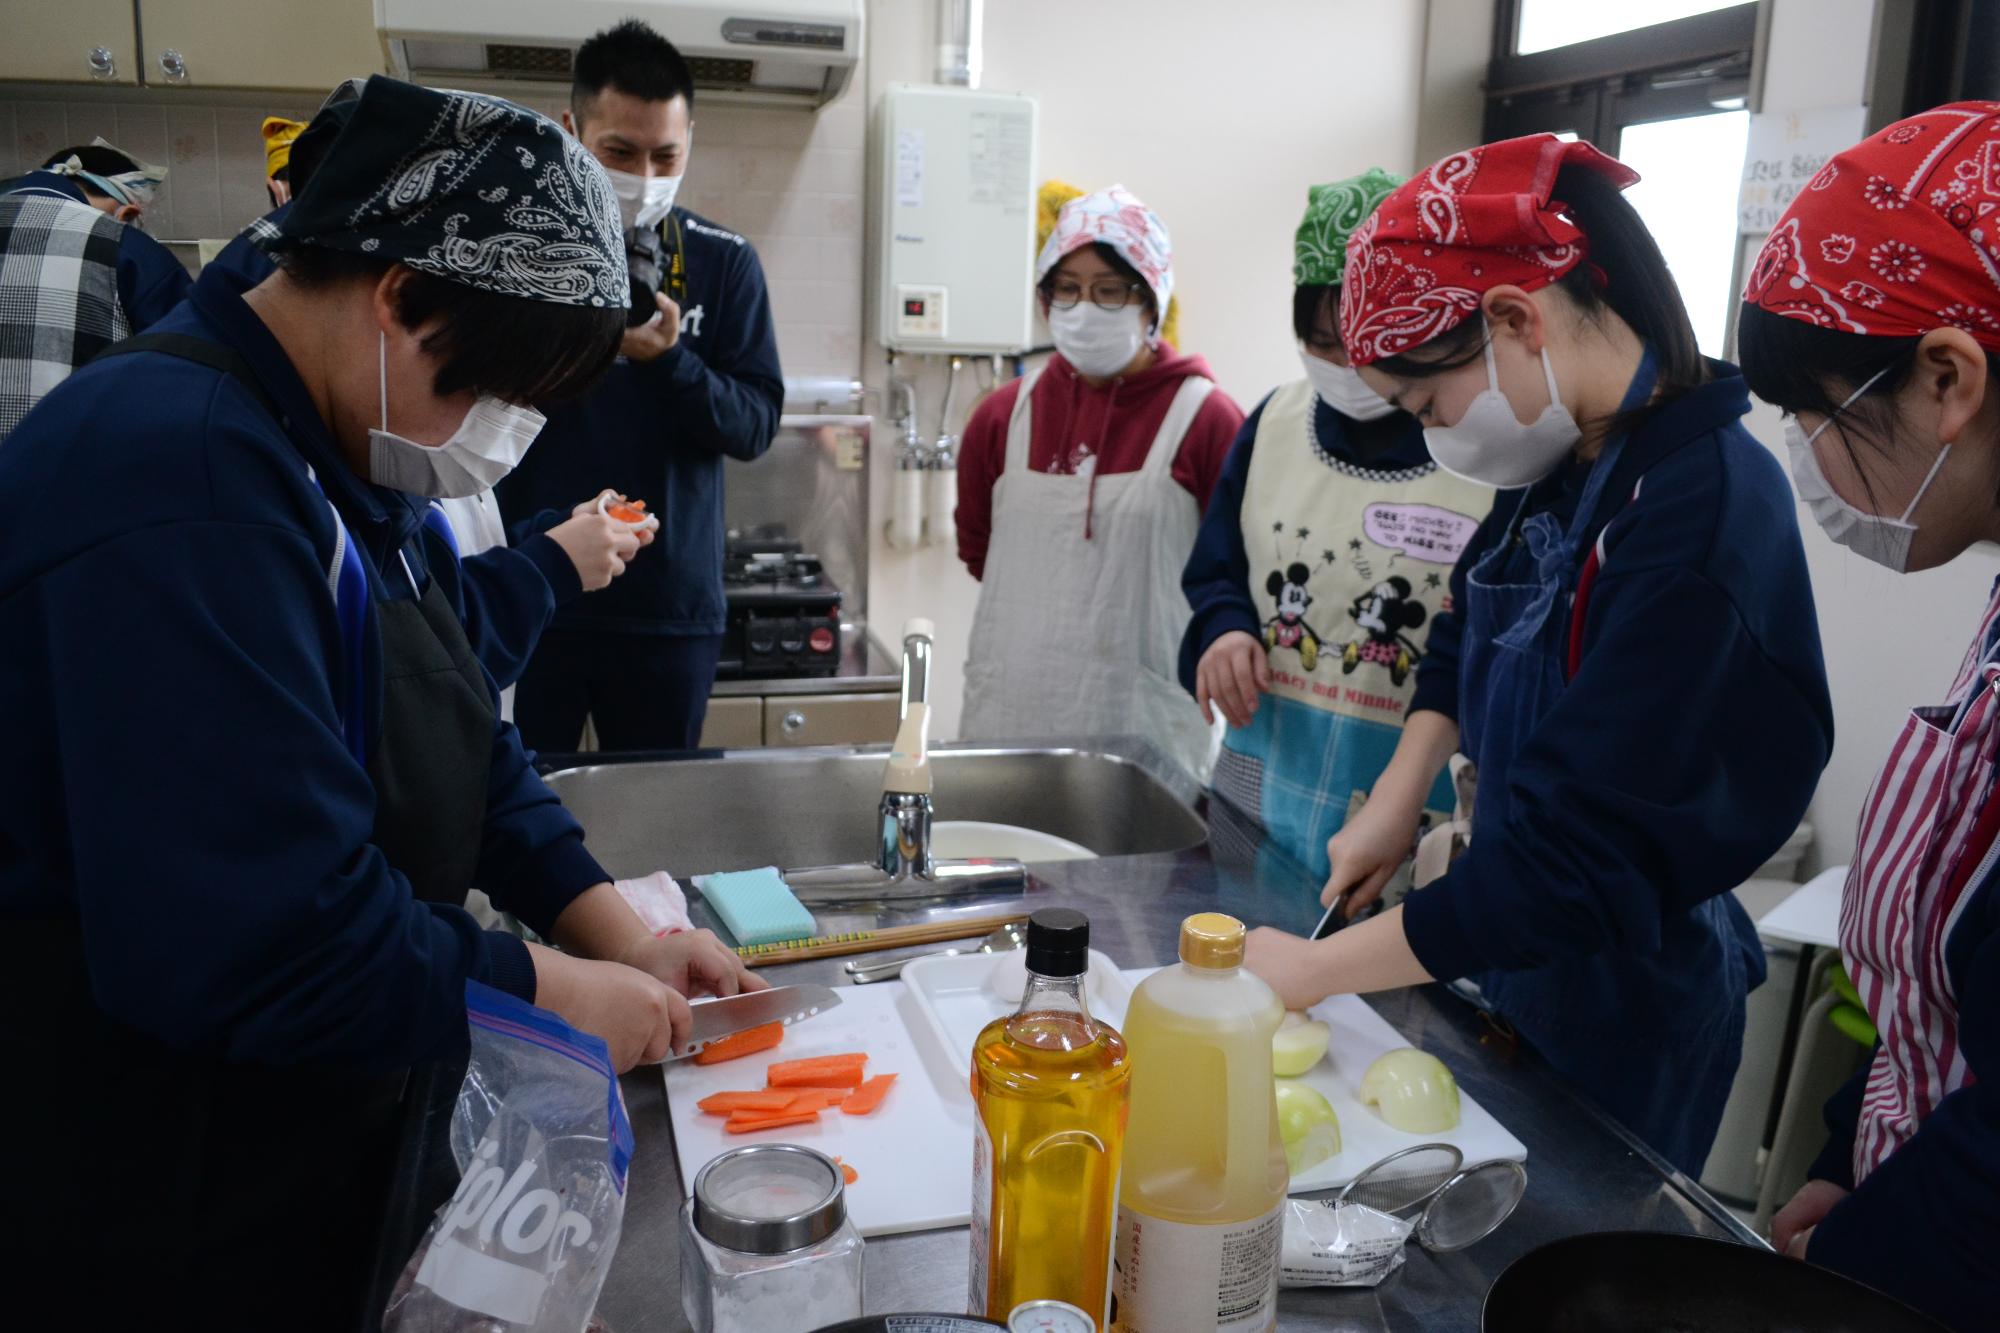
{"x":1653,"y":1038}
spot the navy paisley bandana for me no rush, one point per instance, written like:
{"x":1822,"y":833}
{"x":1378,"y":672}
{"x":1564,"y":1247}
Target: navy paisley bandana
{"x":465,"y":187}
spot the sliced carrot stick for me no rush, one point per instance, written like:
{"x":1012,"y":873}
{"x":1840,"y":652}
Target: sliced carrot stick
{"x":744,"y":1122}
{"x":869,"y":1095}
{"x":847,"y":1173}
{"x":814,"y":1099}
{"x":818,"y":1072}
{"x":739,"y":1044}
{"x":728,"y":1103}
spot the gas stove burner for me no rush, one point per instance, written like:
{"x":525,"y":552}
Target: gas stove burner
{"x":784,"y":612}
{"x":765,"y":541}
{"x":792,"y":570}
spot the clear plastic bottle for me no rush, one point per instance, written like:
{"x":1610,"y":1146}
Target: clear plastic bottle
{"x":1049,"y":1087}
{"x":1200,"y":1213}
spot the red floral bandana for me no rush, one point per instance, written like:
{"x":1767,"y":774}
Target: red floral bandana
{"x":1477,"y":220}
{"x":1896,"y":236}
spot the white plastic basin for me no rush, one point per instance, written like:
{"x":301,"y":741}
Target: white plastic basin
{"x":970,"y":839}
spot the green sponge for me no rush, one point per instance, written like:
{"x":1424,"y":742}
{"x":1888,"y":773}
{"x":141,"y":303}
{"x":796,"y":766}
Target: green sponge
{"x":756,"y":905}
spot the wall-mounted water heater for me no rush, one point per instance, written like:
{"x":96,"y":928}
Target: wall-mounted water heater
{"x":955,"y":249}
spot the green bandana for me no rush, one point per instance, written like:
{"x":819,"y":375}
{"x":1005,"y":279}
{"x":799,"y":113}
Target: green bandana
{"x":1332,"y":213}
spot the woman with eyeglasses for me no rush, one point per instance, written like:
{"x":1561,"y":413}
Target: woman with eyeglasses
{"x":1869,"y":317}
{"x":1080,"y":487}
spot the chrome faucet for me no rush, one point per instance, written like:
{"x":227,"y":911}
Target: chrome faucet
{"x":904,"y":867}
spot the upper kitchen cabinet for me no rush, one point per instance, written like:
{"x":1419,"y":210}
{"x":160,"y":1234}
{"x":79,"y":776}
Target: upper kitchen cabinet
{"x":251,"y":44}
{"x":70,"y":41}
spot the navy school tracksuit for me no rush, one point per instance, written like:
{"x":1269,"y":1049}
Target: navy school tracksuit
{"x":640,"y":656}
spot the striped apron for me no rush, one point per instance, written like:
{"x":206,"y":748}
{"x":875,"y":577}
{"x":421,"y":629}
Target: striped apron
{"x":1929,"y":836}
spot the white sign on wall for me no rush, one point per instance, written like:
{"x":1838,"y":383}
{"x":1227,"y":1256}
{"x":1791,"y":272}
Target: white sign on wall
{"x":1786,"y":150}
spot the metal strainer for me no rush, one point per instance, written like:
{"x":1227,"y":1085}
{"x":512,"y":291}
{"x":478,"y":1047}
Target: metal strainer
{"x":1459,"y":1207}
{"x":1404,"y":1180}
{"x":1471,"y":1206}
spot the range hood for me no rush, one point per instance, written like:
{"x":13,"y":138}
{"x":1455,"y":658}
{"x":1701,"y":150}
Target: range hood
{"x":789,"y":53}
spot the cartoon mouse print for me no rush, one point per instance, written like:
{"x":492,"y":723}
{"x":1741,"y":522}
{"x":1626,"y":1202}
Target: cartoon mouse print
{"x":1383,"y":613}
{"x":1288,"y":629}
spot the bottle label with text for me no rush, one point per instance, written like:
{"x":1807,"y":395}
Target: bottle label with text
{"x":1164,"y":1270}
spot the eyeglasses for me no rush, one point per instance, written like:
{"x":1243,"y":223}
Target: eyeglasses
{"x":1105,"y":293}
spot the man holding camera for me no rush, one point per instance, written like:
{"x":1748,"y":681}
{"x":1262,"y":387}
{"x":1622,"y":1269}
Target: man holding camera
{"x":697,"y":380}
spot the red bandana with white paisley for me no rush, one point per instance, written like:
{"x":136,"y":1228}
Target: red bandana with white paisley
{"x":1477,"y":220}
{"x":1896,"y":236}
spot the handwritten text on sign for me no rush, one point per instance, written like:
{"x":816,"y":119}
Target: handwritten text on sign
{"x":1786,"y":150}
{"x":1424,"y":532}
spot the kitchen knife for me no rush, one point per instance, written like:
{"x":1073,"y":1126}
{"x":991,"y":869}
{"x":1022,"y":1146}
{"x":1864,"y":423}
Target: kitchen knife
{"x":716,"y":1019}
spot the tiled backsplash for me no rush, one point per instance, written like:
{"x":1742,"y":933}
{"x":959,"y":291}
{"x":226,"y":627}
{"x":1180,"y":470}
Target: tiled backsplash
{"x":790,"y":181}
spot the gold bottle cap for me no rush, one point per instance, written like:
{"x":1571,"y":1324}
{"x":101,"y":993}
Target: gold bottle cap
{"x":1211,"y":939}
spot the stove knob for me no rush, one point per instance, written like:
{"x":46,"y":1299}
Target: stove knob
{"x":822,"y":640}
{"x":762,"y":640}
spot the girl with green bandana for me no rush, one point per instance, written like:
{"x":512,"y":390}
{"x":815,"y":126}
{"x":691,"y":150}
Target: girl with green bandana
{"x":1324,"y":557}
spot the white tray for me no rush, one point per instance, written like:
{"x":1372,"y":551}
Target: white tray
{"x":951,"y":996}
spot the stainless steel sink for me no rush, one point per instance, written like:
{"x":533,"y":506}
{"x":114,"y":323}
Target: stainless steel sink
{"x":811,"y":807}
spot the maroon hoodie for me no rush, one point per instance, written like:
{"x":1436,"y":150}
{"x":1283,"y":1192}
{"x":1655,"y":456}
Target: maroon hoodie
{"x":1115,"y":424}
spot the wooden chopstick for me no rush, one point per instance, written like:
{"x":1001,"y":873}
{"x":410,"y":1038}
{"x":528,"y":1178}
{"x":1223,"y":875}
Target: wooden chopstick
{"x":869,"y":941}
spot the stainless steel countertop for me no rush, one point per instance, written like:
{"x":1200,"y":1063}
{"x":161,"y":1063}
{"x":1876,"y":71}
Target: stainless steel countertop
{"x":1585,"y":1173}
{"x":865,"y":668}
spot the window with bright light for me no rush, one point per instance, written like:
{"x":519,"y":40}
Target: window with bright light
{"x":1547,"y":24}
{"x":1689,"y":170}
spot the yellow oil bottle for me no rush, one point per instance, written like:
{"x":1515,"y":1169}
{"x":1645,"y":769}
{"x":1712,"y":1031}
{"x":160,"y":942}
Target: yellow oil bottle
{"x":1200,"y":1212}
{"x":1049,"y":1089}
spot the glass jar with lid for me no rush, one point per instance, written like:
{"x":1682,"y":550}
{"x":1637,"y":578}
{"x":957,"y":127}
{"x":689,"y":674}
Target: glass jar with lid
{"x":766,"y":1244}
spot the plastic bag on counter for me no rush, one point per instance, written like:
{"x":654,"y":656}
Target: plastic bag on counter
{"x":541,"y":1135}
{"x":1332,"y":1244}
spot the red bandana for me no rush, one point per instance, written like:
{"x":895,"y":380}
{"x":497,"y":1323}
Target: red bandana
{"x":1475,"y":221}
{"x":1896,"y":236}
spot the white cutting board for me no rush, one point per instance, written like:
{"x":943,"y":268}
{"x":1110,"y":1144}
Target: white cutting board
{"x":914,"y":1153}
{"x":958,"y":1006}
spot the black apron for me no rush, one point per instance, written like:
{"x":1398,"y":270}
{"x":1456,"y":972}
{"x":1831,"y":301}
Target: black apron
{"x":214,"y":1196}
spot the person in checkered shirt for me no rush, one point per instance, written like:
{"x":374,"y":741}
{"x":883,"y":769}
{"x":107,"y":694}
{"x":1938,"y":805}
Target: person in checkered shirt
{"x":76,"y":271}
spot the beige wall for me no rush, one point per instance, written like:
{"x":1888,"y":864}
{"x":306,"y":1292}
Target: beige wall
{"x":1458,"y":43}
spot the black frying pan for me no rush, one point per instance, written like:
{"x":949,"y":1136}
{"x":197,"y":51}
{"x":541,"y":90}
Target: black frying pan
{"x":1646,"y":1282}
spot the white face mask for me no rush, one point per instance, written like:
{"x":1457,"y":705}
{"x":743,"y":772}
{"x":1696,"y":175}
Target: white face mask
{"x":1343,"y":389}
{"x":643,"y":201}
{"x":1098,"y":342}
{"x":1877,"y":537}
{"x":486,"y":447}
{"x":1489,"y":444}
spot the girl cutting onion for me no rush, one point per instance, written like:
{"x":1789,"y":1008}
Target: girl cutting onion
{"x":1631,"y":658}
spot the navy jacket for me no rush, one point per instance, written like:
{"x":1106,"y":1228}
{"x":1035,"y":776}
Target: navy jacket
{"x":1925,"y":1225}
{"x":1217,"y":577}
{"x":1651,"y":784}
{"x":173,"y":773}
{"x":659,"y":432}
{"x":511,"y":592}
{"x":150,"y":280}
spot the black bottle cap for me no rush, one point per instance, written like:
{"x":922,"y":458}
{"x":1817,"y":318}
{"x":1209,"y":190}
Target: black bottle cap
{"x":1058,"y":942}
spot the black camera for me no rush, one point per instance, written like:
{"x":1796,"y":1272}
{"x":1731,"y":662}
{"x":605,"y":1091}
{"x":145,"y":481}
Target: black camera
{"x":645,"y":260}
